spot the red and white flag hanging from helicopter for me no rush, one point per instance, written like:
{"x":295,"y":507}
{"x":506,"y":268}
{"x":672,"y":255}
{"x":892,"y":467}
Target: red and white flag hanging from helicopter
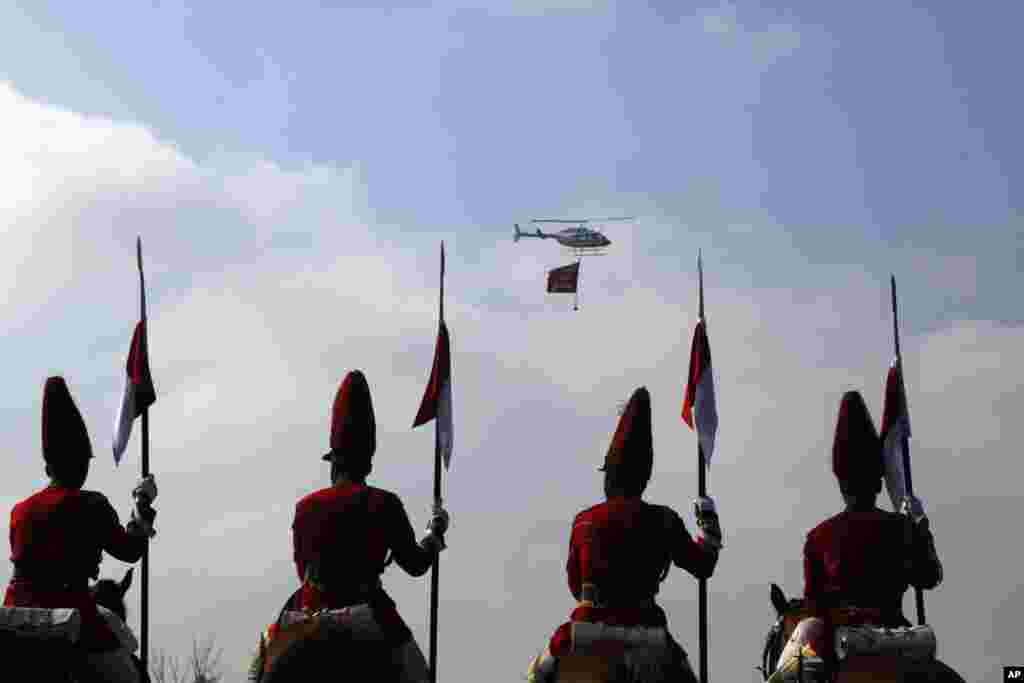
{"x":699,"y":401}
{"x":564,"y":279}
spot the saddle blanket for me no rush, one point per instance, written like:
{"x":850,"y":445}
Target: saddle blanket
{"x":641,"y":648}
{"x":358,"y":620}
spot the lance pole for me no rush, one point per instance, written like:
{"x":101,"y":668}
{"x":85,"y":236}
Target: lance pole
{"x":144,"y":597}
{"x":907,"y":479}
{"x":434,"y":572}
{"x":702,"y":490}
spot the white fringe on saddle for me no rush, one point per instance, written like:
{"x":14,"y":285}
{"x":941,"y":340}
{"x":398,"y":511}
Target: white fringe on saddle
{"x":916,"y":642}
{"x":36,"y":622}
{"x":357,"y":620}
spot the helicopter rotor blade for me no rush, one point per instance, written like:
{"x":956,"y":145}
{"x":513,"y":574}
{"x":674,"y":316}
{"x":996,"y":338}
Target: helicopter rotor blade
{"x":583,"y":220}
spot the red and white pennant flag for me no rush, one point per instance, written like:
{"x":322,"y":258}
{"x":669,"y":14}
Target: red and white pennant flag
{"x":895,"y":433}
{"x":437,"y":399}
{"x":139,"y":393}
{"x":699,"y":409}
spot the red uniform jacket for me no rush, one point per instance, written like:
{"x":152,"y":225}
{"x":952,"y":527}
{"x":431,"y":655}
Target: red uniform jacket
{"x":867,"y":559}
{"x":58,"y":536}
{"x":341,"y":537}
{"x":624,"y":547}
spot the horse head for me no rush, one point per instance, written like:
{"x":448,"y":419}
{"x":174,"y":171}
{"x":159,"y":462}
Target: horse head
{"x":110,"y":594}
{"x":776,"y":638}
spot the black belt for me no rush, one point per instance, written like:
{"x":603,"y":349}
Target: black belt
{"x":347,"y":594}
{"x":592,"y":594}
{"x":49,"y":581}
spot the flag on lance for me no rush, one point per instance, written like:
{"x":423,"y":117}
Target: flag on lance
{"x":139,"y":393}
{"x":699,"y":411}
{"x":564,"y":279}
{"x":895,"y":434}
{"x":437,"y":399}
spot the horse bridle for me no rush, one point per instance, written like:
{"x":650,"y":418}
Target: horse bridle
{"x":772,"y":648}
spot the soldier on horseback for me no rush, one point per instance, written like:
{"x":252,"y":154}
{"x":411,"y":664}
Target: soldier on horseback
{"x":342,"y":534}
{"x":622,"y":549}
{"x":59,"y":535}
{"x":860,"y":562}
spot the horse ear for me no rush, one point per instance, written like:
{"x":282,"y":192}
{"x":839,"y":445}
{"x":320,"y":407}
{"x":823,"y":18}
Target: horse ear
{"x":779,"y":601}
{"x":126,"y":582}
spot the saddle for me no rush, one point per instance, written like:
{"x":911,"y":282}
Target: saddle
{"x":356,"y":621}
{"x":913,"y":642}
{"x":602,"y":653}
{"x":62,"y":625}
{"x":588,"y":638}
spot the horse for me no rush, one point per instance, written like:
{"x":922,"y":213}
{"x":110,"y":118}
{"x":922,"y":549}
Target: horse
{"x":879,"y":668}
{"x":49,"y":650}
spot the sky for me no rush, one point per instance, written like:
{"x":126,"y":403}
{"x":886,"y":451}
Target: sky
{"x":291,"y":170}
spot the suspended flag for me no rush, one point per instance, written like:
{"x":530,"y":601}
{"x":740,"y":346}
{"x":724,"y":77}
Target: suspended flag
{"x":437,"y":399}
{"x":895,"y":433}
{"x":139,"y":393}
{"x":700,"y":393}
{"x":564,"y":279}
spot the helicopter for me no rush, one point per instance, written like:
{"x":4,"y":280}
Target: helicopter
{"x":581,"y":240}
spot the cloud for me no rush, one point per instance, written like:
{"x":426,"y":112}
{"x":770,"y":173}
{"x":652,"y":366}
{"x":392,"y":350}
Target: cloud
{"x":268,"y":284}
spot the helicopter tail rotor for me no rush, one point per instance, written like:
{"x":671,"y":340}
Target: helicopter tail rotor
{"x":519,"y":233}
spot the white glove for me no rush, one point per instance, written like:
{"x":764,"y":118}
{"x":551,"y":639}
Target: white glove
{"x":434,"y":540}
{"x":141,"y":523}
{"x":146,"y":489}
{"x":433,"y":543}
{"x":708,"y":529}
{"x":913,"y":507}
{"x":439,"y":520}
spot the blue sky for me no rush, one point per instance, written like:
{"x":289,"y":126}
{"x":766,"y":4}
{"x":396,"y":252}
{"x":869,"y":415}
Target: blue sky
{"x":850,"y":128}
{"x":292,"y":169}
